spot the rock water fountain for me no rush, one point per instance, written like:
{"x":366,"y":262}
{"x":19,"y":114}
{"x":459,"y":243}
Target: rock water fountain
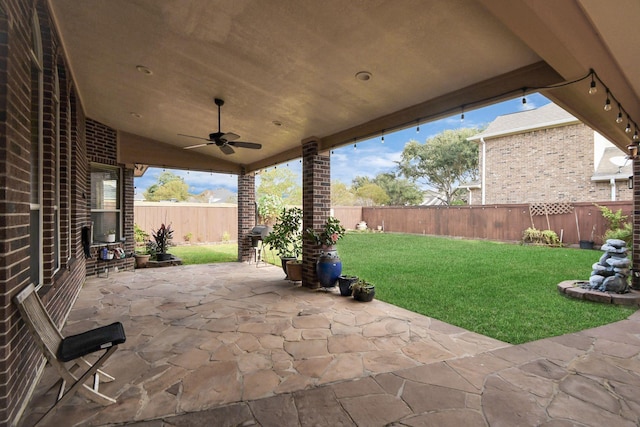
{"x":609,"y":281}
{"x":611,"y":272}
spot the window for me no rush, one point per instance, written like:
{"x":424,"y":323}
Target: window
{"x":36,"y":218}
{"x":56,"y":192}
{"x":105,"y":202}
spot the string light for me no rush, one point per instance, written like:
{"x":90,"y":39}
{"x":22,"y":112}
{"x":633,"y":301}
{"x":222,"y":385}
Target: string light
{"x":607,"y":103}
{"x":418,"y":127}
{"x":524,"y":98}
{"x":382,"y":139}
{"x":355,"y":147}
{"x":628,"y":128}
{"x":619,"y":117}
{"x":635,"y":135}
{"x":592,"y":88}
{"x":462,"y":115}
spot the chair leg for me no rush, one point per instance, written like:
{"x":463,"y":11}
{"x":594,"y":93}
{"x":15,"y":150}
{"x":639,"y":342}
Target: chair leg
{"x":84,"y":390}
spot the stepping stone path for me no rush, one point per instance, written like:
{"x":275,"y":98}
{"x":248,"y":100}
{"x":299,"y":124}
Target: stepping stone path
{"x":611,"y":272}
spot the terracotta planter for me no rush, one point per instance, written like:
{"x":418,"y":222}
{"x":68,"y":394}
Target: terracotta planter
{"x":294,"y":271}
{"x":142,"y":260}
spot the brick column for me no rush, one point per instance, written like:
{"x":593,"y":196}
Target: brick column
{"x":316,"y":204}
{"x":246,"y":213}
{"x":635,"y":262}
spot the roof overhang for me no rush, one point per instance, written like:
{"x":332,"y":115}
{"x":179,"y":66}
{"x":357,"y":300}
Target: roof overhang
{"x":287,"y":69}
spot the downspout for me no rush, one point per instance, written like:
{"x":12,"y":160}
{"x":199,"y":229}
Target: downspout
{"x":484,"y":171}
{"x":612,"y":181}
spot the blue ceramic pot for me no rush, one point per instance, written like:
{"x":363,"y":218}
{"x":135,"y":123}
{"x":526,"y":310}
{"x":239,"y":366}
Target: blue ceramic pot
{"x":328,"y":269}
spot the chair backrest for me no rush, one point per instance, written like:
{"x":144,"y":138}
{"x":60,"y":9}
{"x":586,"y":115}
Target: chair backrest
{"x":34,"y":314}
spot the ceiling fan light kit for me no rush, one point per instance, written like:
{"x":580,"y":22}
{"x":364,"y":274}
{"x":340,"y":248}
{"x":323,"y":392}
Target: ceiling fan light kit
{"x":225,"y":141}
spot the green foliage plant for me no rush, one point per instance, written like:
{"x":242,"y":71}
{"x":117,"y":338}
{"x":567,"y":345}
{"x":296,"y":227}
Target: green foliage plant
{"x":286,"y":236}
{"x":540,"y":237}
{"x":330,"y":234}
{"x":617,"y":227}
{"x":269,"y":208}
{"x":139,"y":235}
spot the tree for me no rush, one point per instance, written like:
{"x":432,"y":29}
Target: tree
{"x":169,"y":187}
{"x":443,"y":162}
{"x":401,"y":191}
{"x":372,"y":194}
{"x":281,"y":182}
{"x":341,"y":194}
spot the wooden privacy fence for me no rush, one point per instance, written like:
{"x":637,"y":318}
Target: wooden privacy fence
{"x":495,"y":222}
{"x":201,"y":222}
{"x":212,"y":223}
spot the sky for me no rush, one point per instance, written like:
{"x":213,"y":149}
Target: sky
{"x":369,"y":158}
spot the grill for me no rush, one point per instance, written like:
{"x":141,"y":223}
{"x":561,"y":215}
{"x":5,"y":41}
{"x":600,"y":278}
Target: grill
{"x":258,"y":233}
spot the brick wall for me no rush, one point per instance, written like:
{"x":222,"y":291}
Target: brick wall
{"x":20,"y":361}
{"x":549,"y":165}
{"x":316,"y":205}
{"x":102,"y":147}
{"x":246,"y":214}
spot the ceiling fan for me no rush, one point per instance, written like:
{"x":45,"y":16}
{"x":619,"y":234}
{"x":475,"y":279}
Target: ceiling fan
{"x":226,"y":141}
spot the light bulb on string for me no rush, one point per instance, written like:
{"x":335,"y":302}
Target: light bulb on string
{"x":607,"y":103}
{"x":462,"y":115}
{"x":619,"y":117}
{"x":524,"y":97}
{"x":418,"y":127}
{"x":355,"y":146}
{"x":635,"y":135}
{"x":592,"y":87}
{"x":628,"y":128}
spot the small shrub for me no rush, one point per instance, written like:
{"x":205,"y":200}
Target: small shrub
{"x":226,"y":237}
{"x":188,"y":237}
{"x":540,"y":237}
{"x":618,"y":228}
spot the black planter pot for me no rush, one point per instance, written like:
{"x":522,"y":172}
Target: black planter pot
{"x":364,"y":296}
{"x":586,"y":244}
{"x":163,"y":257}
{"x":345,"y":282}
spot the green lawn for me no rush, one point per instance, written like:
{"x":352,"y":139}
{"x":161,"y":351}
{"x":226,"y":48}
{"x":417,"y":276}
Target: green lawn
{"x":204,"y":254}
{"x":501,"y":290}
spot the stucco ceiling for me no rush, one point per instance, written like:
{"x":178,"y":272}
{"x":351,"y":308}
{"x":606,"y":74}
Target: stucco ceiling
{"x":295,"y":62}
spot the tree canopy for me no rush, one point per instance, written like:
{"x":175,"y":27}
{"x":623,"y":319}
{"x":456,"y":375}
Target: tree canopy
{"x":442,"y":162}
{"x":386,"y":189}
{"x":169,"y":187}
{"x":282,"y":182}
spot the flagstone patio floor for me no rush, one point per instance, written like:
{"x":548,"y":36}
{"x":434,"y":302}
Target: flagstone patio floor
{"x":238,"y":345}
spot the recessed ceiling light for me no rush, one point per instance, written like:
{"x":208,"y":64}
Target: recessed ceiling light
{"x":363,"y":75}
{"x":134,"y":114}
{"x":144,"y":70}
{"x":276,"y":123}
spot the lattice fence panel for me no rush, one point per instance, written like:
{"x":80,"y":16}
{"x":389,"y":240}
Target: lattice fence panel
{"x":550,"y":208}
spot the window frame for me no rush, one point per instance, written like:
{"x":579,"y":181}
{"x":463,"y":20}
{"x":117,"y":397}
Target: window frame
{"x":119,"y":201}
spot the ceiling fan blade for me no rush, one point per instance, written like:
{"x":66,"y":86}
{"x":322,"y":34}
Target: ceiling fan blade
{"x":197,"y":146}
{"x":226,"y":149}
{"x":230,"y":136}
{"x":196,"y":137}
{"x":243,"y":144}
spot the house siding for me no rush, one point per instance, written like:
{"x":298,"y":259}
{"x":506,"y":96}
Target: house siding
{"x":542,"y":166}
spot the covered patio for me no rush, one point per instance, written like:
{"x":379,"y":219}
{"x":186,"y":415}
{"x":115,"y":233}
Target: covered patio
{"x":95,"y":92}
{"x":232,"y":344}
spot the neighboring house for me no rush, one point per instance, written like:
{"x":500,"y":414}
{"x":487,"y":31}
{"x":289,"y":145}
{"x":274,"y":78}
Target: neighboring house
{"x":547,"y":155}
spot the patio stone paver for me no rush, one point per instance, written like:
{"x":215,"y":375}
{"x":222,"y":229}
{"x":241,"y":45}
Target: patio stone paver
{"x":232,"y":344}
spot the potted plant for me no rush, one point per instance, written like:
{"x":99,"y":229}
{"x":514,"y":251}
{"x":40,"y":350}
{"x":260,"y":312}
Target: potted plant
{"x":286,"y":236}
{"x":329,"y":265}
{"x":294,"y":270}
{"x":345,"y":283}
{"x":162,"y":239}
{"x":111,"y":236}
{"x":363,"y":291}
